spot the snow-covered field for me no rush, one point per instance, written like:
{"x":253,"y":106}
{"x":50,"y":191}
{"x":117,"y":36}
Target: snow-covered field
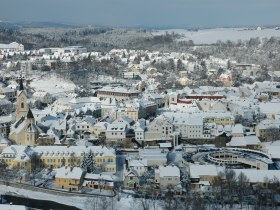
{"x":210,"y":36}
{"x":53,"y":84}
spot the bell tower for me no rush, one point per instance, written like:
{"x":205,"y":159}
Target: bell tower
{"x":21,"y":106}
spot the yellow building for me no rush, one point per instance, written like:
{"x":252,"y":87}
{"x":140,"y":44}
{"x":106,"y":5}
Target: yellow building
{"x":219,"y":119}
{"x":58,"y":156}
{"x":18,"y":157}
{"x":69,"y":178}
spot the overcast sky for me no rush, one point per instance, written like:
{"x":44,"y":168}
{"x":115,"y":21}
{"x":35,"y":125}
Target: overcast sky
{"x":173,"y":13}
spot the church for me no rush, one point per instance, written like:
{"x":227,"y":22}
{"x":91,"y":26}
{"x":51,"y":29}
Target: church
{"x":24,"y":131}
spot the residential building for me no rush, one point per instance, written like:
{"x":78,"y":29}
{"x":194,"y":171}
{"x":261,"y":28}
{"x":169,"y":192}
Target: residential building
{"x":58,"y":156}
{"x":167,"y":176}
{"x":69,"y":178}
{"x":131,"y":179}
{"x":119,"y":93}
{"x":12,"y":47}
{"x":43,"y":97}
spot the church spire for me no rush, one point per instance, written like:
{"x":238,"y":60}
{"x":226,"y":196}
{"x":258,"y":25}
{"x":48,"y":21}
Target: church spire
{"x":20,"y":83}
{"x":29,"y":114}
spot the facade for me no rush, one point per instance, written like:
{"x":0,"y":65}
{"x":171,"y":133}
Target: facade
{"x":153,"y":156}
{"x":119,"y":93}
{"x":8,"y":92}
{"x":116,"y":132}
{"x":99,"y":181}
{"x":58,"y":156}
{"x":4,"y":143}
{"x":5,"y":123}
{"x":12,"y":47}
{"x":131,"y":179}
{"x":69,"y":178}
{"x":43,"y":97}
{"x":201,"y":174}
{"x":159,"y":129}
{"x":18,"y":157}
{"x":138,"y":165}
{"x":6,"y":107}
{"x":167,"y":176}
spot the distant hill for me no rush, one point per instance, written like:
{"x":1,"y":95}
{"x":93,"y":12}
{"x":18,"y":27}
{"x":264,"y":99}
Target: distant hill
{"x":19,"y":25}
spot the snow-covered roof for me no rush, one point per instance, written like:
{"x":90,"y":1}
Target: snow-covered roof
{"x":69,"y":172}
{"x":204,"y":170}
{"x":244,"y":141}
{"x":258,"y":176}
{"x":237,"y":128}
{"x":168,"y":171}
{"x":137,"y":163}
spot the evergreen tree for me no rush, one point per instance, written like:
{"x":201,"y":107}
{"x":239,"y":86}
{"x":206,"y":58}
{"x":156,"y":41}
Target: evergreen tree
{"x":88,"y":162}
{"x":179,"y":65}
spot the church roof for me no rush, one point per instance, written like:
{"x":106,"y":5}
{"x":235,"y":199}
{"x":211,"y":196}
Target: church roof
{"x":29,"y":114}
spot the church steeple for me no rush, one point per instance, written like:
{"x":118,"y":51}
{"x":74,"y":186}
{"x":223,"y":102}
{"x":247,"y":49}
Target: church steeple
{"x":29,"y":114}
{"x":21,"y":106}
{"x":21,"y":83}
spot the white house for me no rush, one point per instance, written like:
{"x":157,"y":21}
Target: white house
{"x":167,"y":176}
{"x":138,"y":165}
{"x":116,"y":132}
{"x":43,"y":97}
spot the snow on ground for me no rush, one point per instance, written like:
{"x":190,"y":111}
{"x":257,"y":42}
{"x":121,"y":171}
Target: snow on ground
{"x":72,"y":201}
{"x":126,"y":202}
{"x":54,"y":85}
{"x":210,"y":36}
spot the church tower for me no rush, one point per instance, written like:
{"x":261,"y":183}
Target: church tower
{"x":31,"y":131}
{"x":21,"y":106}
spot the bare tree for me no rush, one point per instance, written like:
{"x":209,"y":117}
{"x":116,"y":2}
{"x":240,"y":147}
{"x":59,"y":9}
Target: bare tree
{"x":242,"y":187}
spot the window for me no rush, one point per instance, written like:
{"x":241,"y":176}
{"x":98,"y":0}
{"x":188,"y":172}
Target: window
{"x":22,"y":105}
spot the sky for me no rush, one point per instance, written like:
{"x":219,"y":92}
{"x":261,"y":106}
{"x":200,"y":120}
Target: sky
{"x":152,"y":13}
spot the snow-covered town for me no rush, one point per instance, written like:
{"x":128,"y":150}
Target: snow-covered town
{"x":135,"y":136}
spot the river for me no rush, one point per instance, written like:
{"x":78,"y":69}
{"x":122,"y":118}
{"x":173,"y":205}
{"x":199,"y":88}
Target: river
{"x":38,"y":204}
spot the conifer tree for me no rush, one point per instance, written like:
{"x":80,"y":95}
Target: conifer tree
{"x":88,"y":162}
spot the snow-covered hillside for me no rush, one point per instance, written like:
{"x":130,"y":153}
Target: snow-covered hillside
{"x":53,"y":85}
{"x":209,"y":36}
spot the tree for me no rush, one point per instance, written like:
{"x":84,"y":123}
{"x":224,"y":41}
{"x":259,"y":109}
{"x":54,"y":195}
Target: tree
{"x":230,"y":179}
{"x":179,"y":65}
{"x":218,"y":186}
{"x":123,"y":55}
{"x":242,"y":187}
{"x":171,"y":64}
{"x":88,"y":162}
{"x":46,"y":68}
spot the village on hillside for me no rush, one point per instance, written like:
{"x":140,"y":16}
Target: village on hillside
{"x":152,"y":125}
